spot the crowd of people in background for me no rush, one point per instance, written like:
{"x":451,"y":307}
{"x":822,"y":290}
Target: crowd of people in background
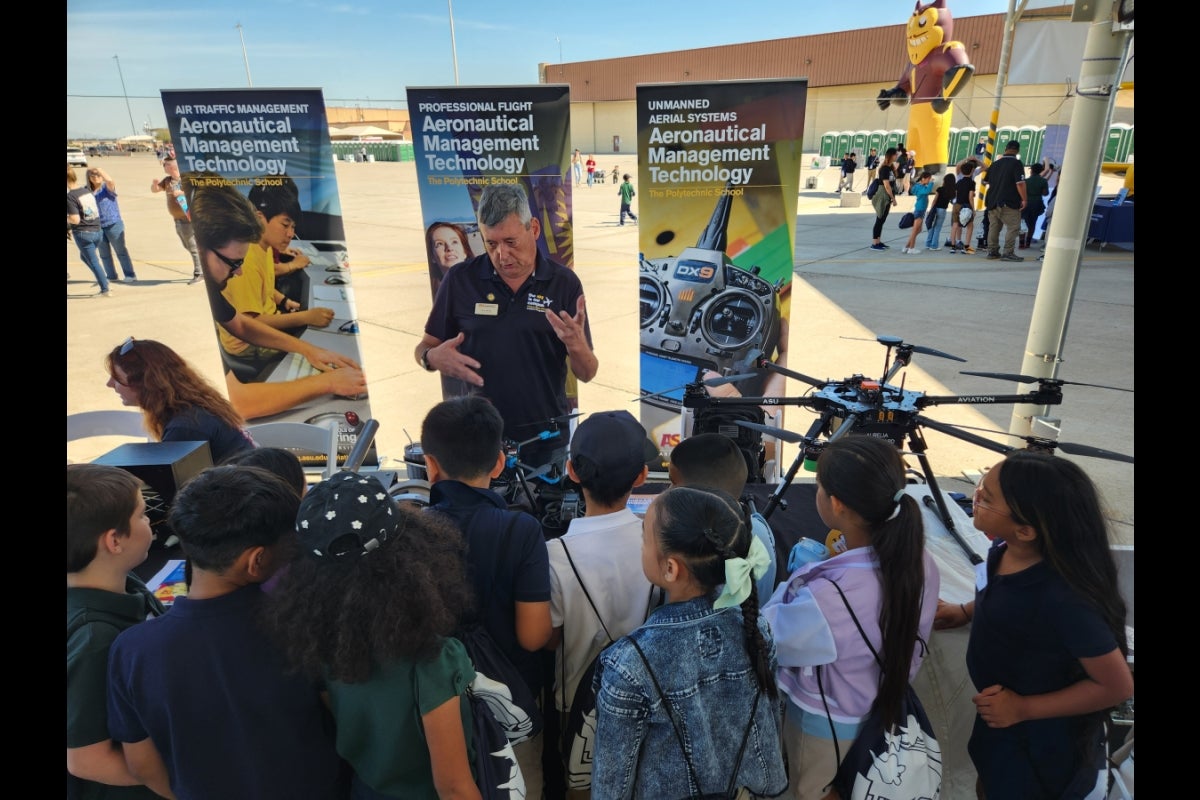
{"x":1017,"y":202}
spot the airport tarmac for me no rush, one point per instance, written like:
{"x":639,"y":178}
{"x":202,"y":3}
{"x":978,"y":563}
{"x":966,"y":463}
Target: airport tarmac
{"x":843,"y":296}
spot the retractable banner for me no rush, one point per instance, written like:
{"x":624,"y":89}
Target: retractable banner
{"x":465,"y":138}
{"x":719,"y":174}
{"x":251,"y":159}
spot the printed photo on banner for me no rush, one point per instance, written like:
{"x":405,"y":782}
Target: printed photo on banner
{"x":260,"y":195}
{"x":466,"y":138}
{"x":719,"y":173}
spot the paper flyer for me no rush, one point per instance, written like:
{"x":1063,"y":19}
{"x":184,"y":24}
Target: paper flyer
{"x":272,"y":147}
{"x":465,"y":138}
{"x":718,"y":175}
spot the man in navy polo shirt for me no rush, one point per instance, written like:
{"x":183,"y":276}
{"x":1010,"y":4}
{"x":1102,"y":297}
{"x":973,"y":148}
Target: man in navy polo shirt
{"x":508,"y":322}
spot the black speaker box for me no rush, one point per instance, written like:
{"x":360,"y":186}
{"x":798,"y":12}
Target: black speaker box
{"x":164,"y":466}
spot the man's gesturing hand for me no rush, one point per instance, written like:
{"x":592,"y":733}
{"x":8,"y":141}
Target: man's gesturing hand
{"x":447,"y":359}
{"x":569,"y":329}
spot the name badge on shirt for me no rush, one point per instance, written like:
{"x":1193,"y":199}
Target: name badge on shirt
{"x":487,"y":309}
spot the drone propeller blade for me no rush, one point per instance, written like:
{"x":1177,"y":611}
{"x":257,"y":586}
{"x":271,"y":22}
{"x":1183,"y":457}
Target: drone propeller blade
{"x":721,"y":381}
{"x":1001,"y":376}
{"x":1094,"y":452}
{"x":729,"y":379}
{"x":1011,"y":376}
{"x":929,"y":351}
{"x":535,"y":473}
{"x":800,"y":376}
{"x":778,"y":433}
{"x":1035,"y":442}
{"x":896,"y":341}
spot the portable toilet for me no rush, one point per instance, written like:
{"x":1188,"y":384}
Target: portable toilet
{"x":876,"y":139}
{"x":1116,"y":134}
{"x":828,"y":142}
{"x":842,"y":145}
{"x":858,"y":145}
{"x":1118,"y":142}
{"x":1025,"y":137}
{"x":1125,"y":152}
{"x":1003,"y":136}
{"x":1039,"y":138}
{"x":962,"y":144}
{"x":893,"y":139}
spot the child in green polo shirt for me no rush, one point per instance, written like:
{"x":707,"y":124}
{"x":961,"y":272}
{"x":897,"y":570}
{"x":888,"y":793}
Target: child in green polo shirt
{"x":627,"y":193}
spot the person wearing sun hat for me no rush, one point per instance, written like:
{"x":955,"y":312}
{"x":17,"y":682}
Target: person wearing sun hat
{"x":608,"y":457}
{"x":368,"y":606}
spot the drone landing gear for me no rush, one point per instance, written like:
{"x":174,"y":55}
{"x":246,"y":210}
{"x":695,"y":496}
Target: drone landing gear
{"x":810,"y":448}
{"x":916,"y":443}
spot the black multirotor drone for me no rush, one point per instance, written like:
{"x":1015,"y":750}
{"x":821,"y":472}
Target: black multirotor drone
{"x":860,"y":405}
{"x":545,"y":490}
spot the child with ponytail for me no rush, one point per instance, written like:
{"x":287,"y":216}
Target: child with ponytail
{"x":699,"y":671}
{"x":890,"y":582}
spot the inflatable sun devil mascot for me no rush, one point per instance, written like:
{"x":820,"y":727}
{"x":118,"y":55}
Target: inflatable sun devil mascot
{"x":937,"y":70}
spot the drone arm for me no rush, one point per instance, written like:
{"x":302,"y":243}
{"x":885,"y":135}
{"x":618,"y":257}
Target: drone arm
{"x":704,"y":401}
{"x":540,"y":437}
{"x":957,"y":433}
{"x":1043,"y":396}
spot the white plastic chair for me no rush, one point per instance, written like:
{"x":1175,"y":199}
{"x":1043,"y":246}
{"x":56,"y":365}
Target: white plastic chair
{"x":87,"y":424}
{"x":299,"y":436}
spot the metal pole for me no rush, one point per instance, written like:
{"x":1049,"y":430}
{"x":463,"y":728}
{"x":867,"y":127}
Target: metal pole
{"x":559,"y":48}
{"x":1010,"y":30}
{"x":1104,"y":58}
{"x":453,"y":47}
{"x":245,"y":59}
{"x":132,"y":125}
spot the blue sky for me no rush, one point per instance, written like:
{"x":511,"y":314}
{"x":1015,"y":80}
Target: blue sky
{"x":367,"y":51}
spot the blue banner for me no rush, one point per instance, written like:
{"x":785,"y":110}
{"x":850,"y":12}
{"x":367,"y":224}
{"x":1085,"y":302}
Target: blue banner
{"x":271,"y":147}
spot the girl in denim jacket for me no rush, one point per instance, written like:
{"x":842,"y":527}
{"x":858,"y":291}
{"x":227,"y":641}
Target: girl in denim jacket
{"x":890,"y":582}
{"x":687,"y":703}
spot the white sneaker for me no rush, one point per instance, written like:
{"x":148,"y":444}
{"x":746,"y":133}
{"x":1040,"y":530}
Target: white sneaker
{"x":914,"y":250}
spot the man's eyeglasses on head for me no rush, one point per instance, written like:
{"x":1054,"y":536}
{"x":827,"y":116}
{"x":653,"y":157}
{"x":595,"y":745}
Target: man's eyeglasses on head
{"x":233,"y":263}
